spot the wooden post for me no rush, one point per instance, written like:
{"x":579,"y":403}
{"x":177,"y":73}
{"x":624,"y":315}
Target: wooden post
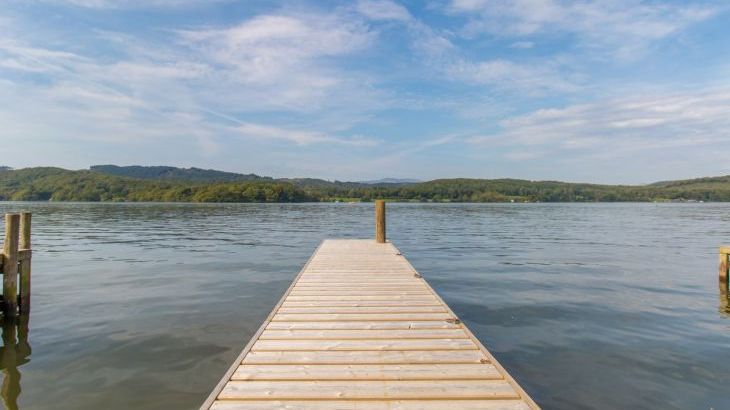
{"x":724,"y":252}
{"x":380,"y":221}
{"x":10,"y":265}
{"x":25,"y":219}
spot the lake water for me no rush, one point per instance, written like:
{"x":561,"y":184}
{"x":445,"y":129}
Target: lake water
{"x":589,"y":306}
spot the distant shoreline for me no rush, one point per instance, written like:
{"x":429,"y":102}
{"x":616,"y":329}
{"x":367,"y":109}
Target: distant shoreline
{"x":169,"y":184}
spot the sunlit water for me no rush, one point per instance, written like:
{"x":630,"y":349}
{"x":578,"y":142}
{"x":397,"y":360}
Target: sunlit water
{"x":610,"y":306}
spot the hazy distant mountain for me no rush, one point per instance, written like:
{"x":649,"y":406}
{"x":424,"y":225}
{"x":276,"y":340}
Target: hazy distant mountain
{"x":174,"y":173}
{"x":199,"y":175}
{"x":392,"y":181}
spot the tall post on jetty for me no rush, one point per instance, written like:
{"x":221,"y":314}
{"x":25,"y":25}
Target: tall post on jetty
{"x":380,"y":221}
{"x":724,"y":252}
{"x":10,"y":265}
{"x":25,"y":219}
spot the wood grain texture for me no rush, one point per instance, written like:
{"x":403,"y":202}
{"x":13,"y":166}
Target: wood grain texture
{"x":363,"y":325}
{"x":370,"y":405}
{"x":368,"y":372}
{"x":380,"y":221}
{"x":10,"y":264}
{"x":363,"y":334}
{"x":24,"y":269}
{"x":360,"y":329}
{"x":290,"y":345}
{"x":365,"y":357}
{"x":368,"y":389}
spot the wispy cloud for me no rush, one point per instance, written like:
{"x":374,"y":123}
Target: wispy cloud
{"x":504,"y":74}
{"x":637,"y":123}
{"x":131,"y":4}
{"x":269,"y":48}
{"x":383,"y":10}
{"x":194,"y":86}
{"x":625,"y":28}
{"x":298,"y":136}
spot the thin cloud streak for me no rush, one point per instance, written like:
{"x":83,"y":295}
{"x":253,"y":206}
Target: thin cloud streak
{"x":639,"y":123}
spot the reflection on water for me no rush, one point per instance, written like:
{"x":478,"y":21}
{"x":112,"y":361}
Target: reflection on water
{"x":14,"y":353}
{"x":724,"y":300}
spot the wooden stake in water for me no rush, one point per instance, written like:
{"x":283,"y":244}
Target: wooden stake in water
{"x":25,"y":219}
{"x":724,"y":252}
{"x":10,"y":265}
{"x":380,"y":221}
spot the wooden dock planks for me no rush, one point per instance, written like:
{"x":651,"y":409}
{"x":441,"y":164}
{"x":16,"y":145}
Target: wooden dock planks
{"x":360,"y":329}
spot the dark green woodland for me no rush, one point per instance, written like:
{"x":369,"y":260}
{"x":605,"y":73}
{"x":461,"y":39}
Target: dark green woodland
{"x":170,"y":184}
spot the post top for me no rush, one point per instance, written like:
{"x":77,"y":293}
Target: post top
{"x":725,"y":249}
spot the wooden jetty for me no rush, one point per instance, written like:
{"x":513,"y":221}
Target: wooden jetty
{"x":359,"y":328}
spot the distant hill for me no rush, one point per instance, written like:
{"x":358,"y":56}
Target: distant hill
{"x":57,"y":184}
{"x":174,"y":173}
{"x":198,"y":175}
{"x":169,"y":184}
{"x":391,"y":181}
{"x":706,"y":182}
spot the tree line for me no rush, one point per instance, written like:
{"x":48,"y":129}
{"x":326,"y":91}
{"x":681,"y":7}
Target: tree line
{"x":56,"y":184}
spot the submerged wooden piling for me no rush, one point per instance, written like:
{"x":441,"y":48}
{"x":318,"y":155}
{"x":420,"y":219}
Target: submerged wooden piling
{"x":16,"y":261}
{"x":723,"y":274}
{"x":380,"y":221}
{"x":25,"y":223}
{"x":10,"y":264}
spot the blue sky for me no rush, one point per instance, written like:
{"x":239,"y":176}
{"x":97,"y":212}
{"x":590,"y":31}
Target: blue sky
{"x":620,"y":91}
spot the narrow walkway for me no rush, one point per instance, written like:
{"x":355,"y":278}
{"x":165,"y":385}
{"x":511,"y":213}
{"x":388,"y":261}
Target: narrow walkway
{"x":360,"y":329}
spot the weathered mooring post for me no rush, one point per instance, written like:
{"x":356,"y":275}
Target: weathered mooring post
{"x":10,"y":265}
{"x":25,"y":253}
{"x":16,"y":259}
{"x":380,"y":221}
{"x":723,"y":274}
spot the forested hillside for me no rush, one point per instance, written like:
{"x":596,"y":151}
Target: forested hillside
{"x":195,"y":185}
{"x":174,"y":173}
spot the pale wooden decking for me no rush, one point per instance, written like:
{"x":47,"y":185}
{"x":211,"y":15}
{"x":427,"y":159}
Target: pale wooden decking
{"x":360,"y":329}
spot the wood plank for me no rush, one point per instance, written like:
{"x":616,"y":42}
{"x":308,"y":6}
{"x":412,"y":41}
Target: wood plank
{"x":364,"y":325}
{"x":361,"y":309}
{"x":368,"y":372}
{"x":361,"y":286}
{"x":371,"y":405}
{"x":363,"y":345}
{"x":363,"y":334}
{"x":366,"y":389}
{"x":364,"y":357}
{"x":363,"y":280}
{"x":370,"y":317}
{"x":340,"y":290}
{"x":358,"y":284}
{"x":358,"y":297}
{"x":354,"y":303}
{"x":363,"y":292}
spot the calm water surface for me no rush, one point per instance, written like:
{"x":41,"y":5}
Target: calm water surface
{"x":589,"y":306}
